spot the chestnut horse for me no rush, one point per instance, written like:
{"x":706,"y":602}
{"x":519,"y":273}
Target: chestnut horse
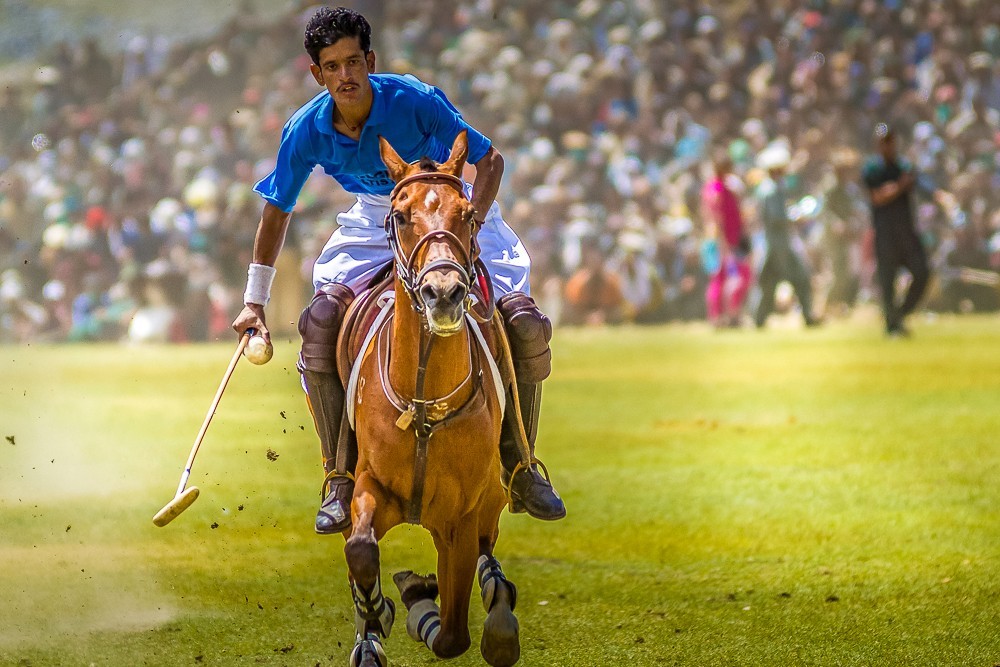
{"x":427,"y":404}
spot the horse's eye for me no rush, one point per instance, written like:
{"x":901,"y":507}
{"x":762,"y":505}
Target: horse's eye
{"x":399,"y":219}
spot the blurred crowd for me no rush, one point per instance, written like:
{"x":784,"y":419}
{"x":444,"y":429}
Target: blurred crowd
{"x":126,"y":209}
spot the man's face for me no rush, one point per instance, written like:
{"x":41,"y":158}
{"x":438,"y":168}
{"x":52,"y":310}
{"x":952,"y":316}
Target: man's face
{"x":343,"y":69}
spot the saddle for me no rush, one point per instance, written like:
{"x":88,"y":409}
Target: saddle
{"x":359,"y":319}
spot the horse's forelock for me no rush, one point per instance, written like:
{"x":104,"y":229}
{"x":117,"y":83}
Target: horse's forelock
{"x":427,"y":164}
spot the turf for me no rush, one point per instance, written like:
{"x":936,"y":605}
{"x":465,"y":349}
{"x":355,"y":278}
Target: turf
{"x":785,"y":497}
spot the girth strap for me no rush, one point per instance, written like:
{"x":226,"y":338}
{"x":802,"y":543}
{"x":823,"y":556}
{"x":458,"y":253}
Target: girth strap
{"x":421,"y":428}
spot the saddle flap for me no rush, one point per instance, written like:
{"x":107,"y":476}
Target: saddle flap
{"x":359,"y":319}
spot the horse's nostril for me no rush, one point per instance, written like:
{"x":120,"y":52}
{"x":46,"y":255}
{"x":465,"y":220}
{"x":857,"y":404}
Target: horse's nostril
{"x":429,"y":293}
{"x":456,"y":293}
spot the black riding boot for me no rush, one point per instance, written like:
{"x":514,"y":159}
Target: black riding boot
{"x":326,"y":398}
{"x":529,"y":491}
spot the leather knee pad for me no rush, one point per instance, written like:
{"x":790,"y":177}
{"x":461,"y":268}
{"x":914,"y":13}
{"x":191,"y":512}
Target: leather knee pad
{"x":529,"y":331}
{"x":319,"y":326}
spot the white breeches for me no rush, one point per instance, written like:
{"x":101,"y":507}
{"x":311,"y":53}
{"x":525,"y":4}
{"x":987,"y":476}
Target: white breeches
{"x":359,"y":248}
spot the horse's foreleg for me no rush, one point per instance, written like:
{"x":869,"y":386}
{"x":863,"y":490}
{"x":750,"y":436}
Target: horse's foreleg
{"x":457,"y":550}
{"x":500,"y":646}
{"x":373,"y":613}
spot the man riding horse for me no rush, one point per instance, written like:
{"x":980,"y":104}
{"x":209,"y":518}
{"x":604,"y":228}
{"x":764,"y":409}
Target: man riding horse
{"x":339,"y":130}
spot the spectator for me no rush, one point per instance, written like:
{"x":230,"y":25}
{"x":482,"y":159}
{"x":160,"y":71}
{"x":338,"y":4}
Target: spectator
{"x":599,"y":106}
{"x":781,"y":260}
{"x":593,"y":294}
{"x":730,"y":279}
{"x":889,"y":180}
{"x":843,"y":224}
{"x":641,"y":284}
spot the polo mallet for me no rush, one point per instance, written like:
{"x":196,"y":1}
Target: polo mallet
{"x":184,"y":498}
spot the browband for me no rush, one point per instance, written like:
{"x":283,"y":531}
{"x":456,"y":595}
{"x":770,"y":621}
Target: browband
{"x":428,"y":176}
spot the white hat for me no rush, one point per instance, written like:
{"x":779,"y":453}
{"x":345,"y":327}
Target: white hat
{"x":775,"y":156}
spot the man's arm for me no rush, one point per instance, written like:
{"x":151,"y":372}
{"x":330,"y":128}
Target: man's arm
{"x":266,"y":246}
{"x":489,"y":171}
{"x":889,"y":192}
{"x":270,"y":234}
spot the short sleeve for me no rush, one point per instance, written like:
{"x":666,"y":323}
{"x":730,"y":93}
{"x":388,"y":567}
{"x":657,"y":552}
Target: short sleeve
{"x":439,"y":118}
{"x":870,"y":175}
{"x":291,"y":170}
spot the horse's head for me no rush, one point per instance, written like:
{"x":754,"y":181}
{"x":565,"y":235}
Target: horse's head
{"x":431,"y":231}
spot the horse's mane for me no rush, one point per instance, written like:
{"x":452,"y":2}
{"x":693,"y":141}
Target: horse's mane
{"x":427,"y":164}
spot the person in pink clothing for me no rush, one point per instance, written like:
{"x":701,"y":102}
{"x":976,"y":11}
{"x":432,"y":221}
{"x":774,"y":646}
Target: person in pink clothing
{"x":730,"y":270}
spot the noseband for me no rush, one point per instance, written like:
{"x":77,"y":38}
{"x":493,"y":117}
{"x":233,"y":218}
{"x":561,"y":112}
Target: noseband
{"x":405,"y":265}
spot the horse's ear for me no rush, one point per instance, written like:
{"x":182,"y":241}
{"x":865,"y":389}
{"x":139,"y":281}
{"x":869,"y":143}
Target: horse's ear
{"x":395,"y":164}
{"x":459,"y":154}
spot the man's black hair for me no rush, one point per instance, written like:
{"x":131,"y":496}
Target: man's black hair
{"x":327,"y":26}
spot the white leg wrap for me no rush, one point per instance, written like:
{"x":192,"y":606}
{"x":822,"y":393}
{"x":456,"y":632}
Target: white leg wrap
{"x":373,"y":612}
{"x":423,"y":622}
{"x":371,"y":644}
{"x":490,"y":576}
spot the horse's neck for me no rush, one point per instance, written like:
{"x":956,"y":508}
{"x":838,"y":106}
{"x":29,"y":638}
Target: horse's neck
{"x":449,"y":363}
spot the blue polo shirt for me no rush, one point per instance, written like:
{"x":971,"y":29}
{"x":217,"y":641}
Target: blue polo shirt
{"x":416,"y":119}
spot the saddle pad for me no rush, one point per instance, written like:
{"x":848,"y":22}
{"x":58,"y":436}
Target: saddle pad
{"x":387,"y":304}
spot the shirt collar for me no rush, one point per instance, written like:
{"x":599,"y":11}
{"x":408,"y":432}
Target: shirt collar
{"x":324,"y":117}
{"x":377,"y":115}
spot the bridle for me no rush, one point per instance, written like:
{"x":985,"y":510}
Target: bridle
{"x":470,"y":268}
{"x":467,"y":269}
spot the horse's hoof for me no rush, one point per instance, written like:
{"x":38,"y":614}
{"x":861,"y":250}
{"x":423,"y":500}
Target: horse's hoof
{"x":369,"y":653}
{"x":501,"y":644}
{"x":414,"y":587}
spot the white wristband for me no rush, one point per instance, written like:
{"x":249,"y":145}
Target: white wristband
{"x":259,"y":279}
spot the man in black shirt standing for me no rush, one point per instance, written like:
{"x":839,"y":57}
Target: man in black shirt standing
{"x":890,"y":179}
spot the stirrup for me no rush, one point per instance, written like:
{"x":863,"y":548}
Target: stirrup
{"x":324,"y":490}
{"x":521,"y":465}
{"x":339,"y":516}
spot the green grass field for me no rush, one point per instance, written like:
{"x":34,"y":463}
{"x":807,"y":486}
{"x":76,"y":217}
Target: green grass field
{"x":785,"y":497}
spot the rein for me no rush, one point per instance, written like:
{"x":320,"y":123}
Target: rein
{"x":470,"y":269}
